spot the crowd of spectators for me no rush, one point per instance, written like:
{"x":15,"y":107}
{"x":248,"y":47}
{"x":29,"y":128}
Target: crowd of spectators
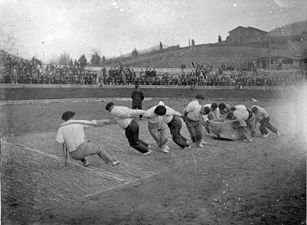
{"x":16,"y":70}
{"x":127,"y":76}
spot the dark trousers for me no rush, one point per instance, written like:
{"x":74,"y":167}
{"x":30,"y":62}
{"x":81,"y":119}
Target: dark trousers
{"x":175,"y":127}
{"x":265,"y":124}
{"x":136,"y":106}
{"x":195,"y":130}
{"x":132,"y":134}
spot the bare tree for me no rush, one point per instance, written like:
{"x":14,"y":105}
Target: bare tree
{"x":219,"y":39}
{"x":135,"y":52}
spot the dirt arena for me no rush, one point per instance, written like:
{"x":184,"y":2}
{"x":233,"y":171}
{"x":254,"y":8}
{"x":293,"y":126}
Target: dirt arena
{"x":227,"y":182}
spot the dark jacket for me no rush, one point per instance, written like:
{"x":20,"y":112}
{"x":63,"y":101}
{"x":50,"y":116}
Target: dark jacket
{"x":137,"y":98}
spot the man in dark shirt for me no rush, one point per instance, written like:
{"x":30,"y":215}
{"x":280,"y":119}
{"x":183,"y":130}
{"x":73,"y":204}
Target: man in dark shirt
{"x":137,"y":98}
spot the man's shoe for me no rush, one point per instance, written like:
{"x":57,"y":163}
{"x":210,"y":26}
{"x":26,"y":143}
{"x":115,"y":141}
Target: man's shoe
{"x":188,"y":147}
{"x":166,"y":147}
{"x":277,"y":133}
{"x":248,"y":140}
{"x":85,"y":162}
{"x":165,"y":150}
{"x":115,"y":162}
{"x":203,"y":141}
{"x":147,"y":153}
{"x":265,"y":135}
{"x":200,"y":145}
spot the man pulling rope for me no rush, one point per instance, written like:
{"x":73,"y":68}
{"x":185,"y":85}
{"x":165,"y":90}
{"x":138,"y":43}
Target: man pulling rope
{"x":71,"y":136}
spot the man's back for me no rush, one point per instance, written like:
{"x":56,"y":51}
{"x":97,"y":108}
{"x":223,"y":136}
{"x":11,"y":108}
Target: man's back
{"x":72,"y":133}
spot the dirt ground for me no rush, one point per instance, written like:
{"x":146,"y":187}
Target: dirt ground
{"x":263,"y":182}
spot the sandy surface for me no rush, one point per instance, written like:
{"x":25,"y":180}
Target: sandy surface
{"x":227,"y":182}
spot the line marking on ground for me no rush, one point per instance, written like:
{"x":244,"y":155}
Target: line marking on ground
{"x":58,"y":158}
{"x":143,"y":178}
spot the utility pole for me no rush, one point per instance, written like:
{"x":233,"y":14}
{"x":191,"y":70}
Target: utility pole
{"x":269,"y":53}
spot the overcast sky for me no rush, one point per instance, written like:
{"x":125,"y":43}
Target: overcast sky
{"x":47,"y":28}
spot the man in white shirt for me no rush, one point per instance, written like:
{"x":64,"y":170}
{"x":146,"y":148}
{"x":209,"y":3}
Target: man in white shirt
{"x":124,"y":118}
{"x":162,"y":115}
{"x":192,"y":118}
{"x":215,"y":111}
{"x":71,"y":134}
{"x":263,"y":117}
{"x":171,"y":118}
{"x":224,"y":109}
{"x":246,"y":119}
{"x":156,"y":126}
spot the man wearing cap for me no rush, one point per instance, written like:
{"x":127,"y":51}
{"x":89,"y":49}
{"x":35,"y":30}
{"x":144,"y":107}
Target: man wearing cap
{"x":263,"y":117}
{"x":171,"y":118}
{"x":124,"y":118}
{"x":192,"y":118}
{"x":210,"y":112}
{"x":156,"y":126}
{"x":71,"y":134}
{"x":215,"y":111}
{"x":245,"y":118}
{"x":224,"y":109}
{"x":159,"y":116}
{"x":137,"y":98}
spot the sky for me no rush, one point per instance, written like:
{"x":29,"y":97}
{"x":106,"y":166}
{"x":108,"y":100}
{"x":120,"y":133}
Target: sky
{"x":47,"y":28}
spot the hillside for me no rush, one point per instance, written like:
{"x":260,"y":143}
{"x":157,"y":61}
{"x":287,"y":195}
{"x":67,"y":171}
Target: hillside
{"x":293,"y":29}
{"x":280,"y":41}
{"x":215,"y":55}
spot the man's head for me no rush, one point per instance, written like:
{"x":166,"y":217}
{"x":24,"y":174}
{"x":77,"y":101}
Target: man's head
{"x":68,"y":115}
{"x":254,"y":109}
{"x":213,"y":106}
{"x":200,"y":98}
{"x":109,"y":106}
{"x":233,"y":108}
{"x":206,"y":110}
{"x":136,"y":86}
{"x":160,"y":110}
{"x":222,"y":106}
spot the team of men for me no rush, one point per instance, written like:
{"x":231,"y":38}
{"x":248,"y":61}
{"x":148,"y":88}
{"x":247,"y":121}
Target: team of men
{"x":195,"y":115}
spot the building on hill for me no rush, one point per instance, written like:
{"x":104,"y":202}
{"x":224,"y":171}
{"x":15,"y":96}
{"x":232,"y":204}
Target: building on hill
{"x":242,"y":35}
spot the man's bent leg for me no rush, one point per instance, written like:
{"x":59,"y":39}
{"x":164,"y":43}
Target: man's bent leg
{"x":262,"y":127}
{"x":192,"y":131}
{"x":131,"y":133}
{"x":155,"y":135}
{"x":87,"y":149}
{"x":198,"y":131}
{"x":270,"y":126}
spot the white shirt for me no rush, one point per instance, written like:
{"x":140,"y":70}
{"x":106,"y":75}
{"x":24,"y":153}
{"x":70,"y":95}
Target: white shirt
{"x":241,"y":114}
{"x":123,"y":115}
{"x":72,"y":133}
{"x":169,"y":114}
{"x":193,"y":109}
{"x":154,"y":118}
{"x":261,"y":113}
{"x":151,"y":116}
{"x":241,"y":107}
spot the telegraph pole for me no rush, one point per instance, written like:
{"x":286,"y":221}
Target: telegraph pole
{"x":269,"y":53}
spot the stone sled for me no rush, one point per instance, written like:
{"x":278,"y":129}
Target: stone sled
{"x":223,"y":129}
